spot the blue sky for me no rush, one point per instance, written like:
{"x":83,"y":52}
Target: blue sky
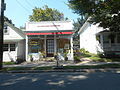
{"x":19,"y":10}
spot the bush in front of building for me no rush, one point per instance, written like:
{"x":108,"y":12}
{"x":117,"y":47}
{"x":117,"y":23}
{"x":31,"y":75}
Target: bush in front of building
{"x":76,"y":59}
{"x":79,"y":54}
{"x":83,"y":51}
{"x":19,"y":60}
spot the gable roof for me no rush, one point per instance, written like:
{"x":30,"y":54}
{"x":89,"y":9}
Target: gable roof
{"x":17,"y":30}
{"x":84,"y":26}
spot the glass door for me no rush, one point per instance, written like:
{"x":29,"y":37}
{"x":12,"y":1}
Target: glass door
{"x":50,"y":47}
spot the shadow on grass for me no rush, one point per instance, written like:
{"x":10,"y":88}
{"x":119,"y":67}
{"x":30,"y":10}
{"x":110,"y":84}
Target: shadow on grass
{"x":64,"y":67}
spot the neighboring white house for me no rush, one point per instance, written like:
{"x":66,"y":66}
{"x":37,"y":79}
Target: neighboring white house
{"x":97,"y":40}
{"x":48,"y":38}
{"x":14,"y":43}
{"x":88,"y":39}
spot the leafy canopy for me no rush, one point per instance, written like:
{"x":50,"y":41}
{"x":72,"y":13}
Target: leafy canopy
{"x":104,"y":12}
{"x":45,"y":14}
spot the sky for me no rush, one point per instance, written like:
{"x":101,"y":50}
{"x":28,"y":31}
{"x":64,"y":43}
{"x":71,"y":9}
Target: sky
{"x":19,"y":10}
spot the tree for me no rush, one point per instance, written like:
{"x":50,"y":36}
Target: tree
{"x":104,"y":12}
{"x":78,"y":24}
{"x":46,"y":14}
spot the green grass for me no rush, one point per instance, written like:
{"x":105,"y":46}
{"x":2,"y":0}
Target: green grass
{"x":43,"y":68}
{"x":94,"y":66}
{"x":15,"y":68}
{"x":64,"y":67}
{"x":94,"y":57}
{"x":8,"y":63}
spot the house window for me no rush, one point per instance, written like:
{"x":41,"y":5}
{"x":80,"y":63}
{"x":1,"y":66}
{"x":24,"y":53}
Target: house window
{"x":5,"y":47}
{"x":105,"y":39}
{"x":9,"y":47}
{"x":6,"y":29}
{"x":12,"y":47}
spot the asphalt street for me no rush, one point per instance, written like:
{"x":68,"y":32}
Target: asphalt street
{"x":60,"y":81}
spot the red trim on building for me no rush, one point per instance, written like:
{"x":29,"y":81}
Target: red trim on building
{"x":50,"y":33}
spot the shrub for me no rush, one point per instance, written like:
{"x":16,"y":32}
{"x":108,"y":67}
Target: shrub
{"x":76,"y":59}
{"x":19,"y":60}
{"x":82,"y":50}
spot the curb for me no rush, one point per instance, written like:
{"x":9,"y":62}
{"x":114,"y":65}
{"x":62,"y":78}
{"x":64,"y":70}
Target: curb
{"x":59,"y":70}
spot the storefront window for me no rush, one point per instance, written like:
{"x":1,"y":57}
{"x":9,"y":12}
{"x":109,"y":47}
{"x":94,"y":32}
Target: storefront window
{"x":36,"y":45}
{"x":63,"y":44}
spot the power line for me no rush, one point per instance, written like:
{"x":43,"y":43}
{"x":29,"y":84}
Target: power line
{"x":29,"y":3}
{"x":23,"y":6}
{"x":36,"y":4}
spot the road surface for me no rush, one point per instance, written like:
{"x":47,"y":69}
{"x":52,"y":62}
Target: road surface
{"x":60,"y":81}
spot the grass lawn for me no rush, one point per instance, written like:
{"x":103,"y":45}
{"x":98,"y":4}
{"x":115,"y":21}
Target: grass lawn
{"x":9,"y":63}
{"x":64,"y":67}
{"x":95,"y":58}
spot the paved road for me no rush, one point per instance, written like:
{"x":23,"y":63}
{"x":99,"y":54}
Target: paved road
{"x":60,"y":81}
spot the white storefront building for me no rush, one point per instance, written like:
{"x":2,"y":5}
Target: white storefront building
{"x":48,"y":38}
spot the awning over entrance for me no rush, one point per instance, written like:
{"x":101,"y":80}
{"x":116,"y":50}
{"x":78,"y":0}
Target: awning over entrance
{"x":49,"y":33}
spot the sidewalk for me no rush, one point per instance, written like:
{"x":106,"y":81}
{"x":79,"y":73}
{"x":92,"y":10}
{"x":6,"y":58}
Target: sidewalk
{"x":53,"y":64}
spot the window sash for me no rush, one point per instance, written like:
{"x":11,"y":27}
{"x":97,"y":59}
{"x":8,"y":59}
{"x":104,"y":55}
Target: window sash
{"x":9,"y":47}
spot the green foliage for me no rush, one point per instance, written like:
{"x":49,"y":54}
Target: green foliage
{"x":45,"y":14}
{"x":83,"y":51}
{"x":8,"y":63}
{"x":78,"y":24}
{"x":104,"y":12}
{"x":77,"y":58}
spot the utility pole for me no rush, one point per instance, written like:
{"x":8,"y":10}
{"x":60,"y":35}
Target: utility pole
{"x":2,"y":8}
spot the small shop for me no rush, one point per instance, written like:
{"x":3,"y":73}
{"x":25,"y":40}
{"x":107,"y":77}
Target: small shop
{"x":48,"y":38}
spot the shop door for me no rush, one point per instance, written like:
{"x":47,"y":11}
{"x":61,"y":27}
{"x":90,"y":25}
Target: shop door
{"x":50,"y":47}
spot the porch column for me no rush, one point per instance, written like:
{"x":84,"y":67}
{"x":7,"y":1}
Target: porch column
{"x":55,"y":44}
{"x":71,"y":44}
{"x":45,"y":44}
{"x":26,"y":48}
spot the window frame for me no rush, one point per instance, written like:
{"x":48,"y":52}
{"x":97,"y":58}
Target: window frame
{"x":9,"y":48}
